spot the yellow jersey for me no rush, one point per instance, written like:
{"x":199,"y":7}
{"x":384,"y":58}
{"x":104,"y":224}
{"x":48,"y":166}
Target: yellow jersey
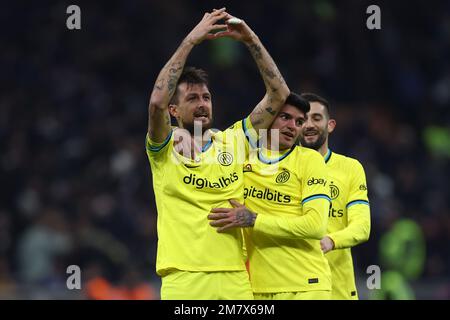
{"x":349,"y":220}
{"x":289,"y":192}
{"x":185,"y":192}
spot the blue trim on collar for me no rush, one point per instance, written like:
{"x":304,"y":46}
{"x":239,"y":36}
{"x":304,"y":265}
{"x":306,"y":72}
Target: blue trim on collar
{"x":249,"y":139}
{"x":207,"y":145}
{"x":267,"y":161}
{"x":328,"y":156}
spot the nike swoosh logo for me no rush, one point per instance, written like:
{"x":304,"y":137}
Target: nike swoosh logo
{"x":188,"y":166}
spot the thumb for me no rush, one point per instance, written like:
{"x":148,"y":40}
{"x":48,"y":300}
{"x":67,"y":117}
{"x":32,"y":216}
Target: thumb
{"x":235,"y":203}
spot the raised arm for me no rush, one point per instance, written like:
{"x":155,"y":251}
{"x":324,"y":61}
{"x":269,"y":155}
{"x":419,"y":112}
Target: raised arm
{"x":165,"y":85}
{"x":277,"y":90}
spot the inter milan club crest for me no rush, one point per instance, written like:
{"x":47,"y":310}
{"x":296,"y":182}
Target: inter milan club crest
{"x":225,"y":158}
{"x":334,"y":191}
{"x":283,"y":176}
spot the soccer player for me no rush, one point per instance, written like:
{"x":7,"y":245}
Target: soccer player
{"x":349,"y":216}
{"x":285,"y":214}
{"x":194,"y":261}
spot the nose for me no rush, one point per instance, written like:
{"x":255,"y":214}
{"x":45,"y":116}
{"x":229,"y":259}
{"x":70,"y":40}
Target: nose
{"x":201,"y":107}
{"x":205,"y":100}
{"x":308,"y":124}
{"x":291,"y":124}
{"x":203,"y":104}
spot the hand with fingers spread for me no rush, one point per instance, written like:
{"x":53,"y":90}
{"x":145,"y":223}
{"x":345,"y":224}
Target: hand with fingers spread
{"x":237,"y":217}
{"x":240,"y":31}
{"x":203,"y":29}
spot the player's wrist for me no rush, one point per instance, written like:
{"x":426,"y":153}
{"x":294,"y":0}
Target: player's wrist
{"x":190,"y":41}
{"x":333,"y":245}
{"x":252,"y":39}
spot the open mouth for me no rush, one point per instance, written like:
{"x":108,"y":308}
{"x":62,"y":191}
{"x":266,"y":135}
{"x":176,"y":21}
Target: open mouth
{"x":288,"y":134}
{"x":310,"y":133}
{"x":201,"y":115}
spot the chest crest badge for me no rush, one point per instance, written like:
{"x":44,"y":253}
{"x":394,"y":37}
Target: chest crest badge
{"x":283,"y":177}
{"x":334,"y":190}
{"x":225,"y":158}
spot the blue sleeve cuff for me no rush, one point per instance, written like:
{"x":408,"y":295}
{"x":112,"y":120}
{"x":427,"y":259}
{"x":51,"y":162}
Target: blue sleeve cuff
{"x":157,"y":147}
{"x":351,"y":203}
{"x":316,"y":196}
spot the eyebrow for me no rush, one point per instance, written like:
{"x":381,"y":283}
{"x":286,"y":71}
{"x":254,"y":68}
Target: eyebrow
{"x":302,"y":118}
{"x":194,"y":94}
{"x":286,"y":114}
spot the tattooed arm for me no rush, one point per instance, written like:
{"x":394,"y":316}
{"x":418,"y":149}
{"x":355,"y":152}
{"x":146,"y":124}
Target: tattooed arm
{"x":165,"y":85}
{"x":159,"y":117}
{"x":277,"y":90}
{"x":311,"y":225}
{"x":237,"y":217}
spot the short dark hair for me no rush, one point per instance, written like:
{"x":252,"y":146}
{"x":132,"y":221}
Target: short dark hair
{"x":312,"y":97}
{"x":190,"y":75}
{"x":296,"y":100}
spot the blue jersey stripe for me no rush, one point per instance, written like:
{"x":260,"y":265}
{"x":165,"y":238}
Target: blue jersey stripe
{"x":207,"y":145}
{"x":328,"y":156}
{"x":268,"y":161}
{"x":249,"y":139}
{"x":316,"y":196}
{"x":351,"y":203}
{"x":158,"y":148}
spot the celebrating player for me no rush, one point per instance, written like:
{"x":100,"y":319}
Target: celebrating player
{"x":349,"y":217}
{"x":285,"y":213}
{"x":193,"y":260}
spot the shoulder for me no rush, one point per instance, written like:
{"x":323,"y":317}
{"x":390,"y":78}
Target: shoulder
{"x":307,"y":160}
{"x":154,"y":147}
{"x":352,"y":164}
{"x":240,"y":131}
{"x":241,"y":124}
{"x":308,"y":153}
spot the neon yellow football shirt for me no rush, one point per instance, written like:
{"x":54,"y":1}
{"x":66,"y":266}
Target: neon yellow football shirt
{"x":349,"y":220}
{"x":289,"y":192}
{"x":185,"y":192}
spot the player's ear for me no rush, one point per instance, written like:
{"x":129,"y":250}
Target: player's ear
{"x":331,"y":125}
{"x":173,"y":110}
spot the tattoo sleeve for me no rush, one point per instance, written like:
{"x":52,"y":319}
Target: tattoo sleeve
{"x":245,"y":218}
{"x":163,"y":90}
{"x":168,"y":77}
{"x":272,"y":77}
{"x":276,"y":88}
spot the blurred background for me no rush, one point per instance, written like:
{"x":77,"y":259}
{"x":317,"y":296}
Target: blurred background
{"x":75,"y":183}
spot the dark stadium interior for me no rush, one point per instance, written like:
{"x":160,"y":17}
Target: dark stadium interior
{"x":75,"y":181}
